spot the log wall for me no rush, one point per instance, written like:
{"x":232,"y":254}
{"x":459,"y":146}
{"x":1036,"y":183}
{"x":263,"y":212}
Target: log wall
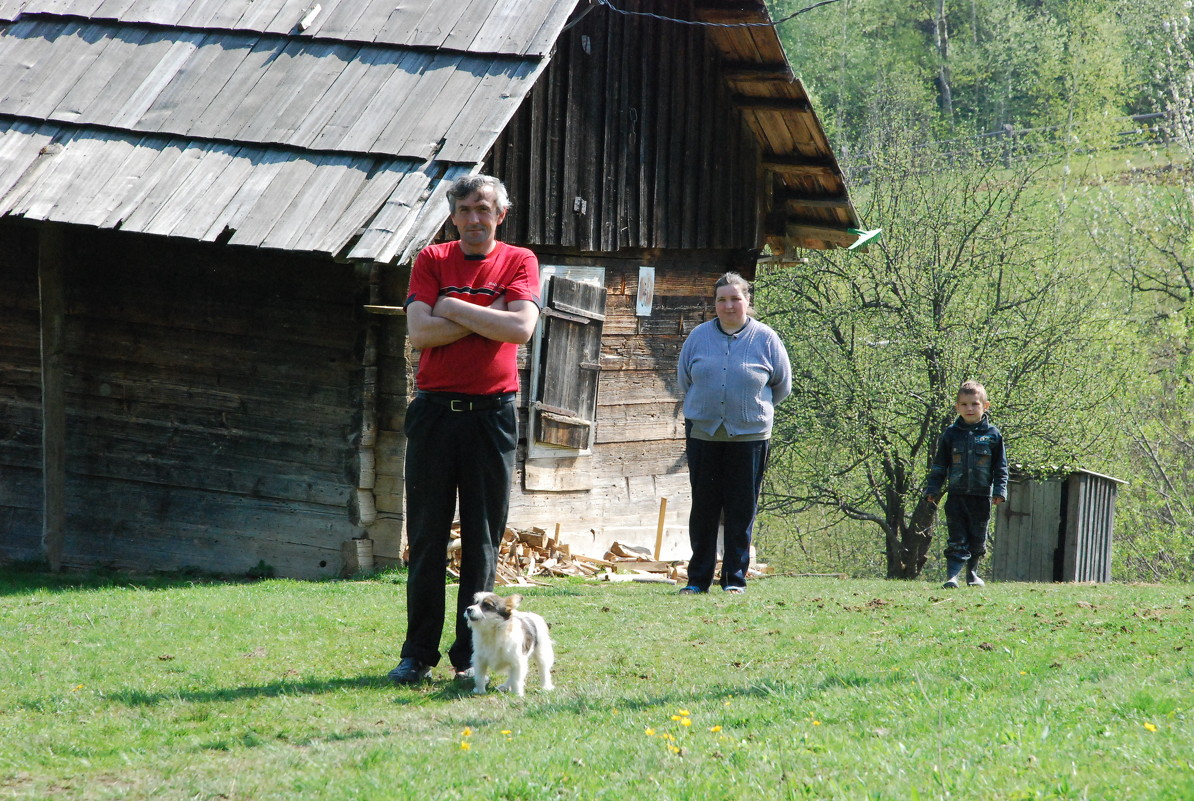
{"x":213,"y":407}
{"x":638,"y":453}
{"x":20,"y":396}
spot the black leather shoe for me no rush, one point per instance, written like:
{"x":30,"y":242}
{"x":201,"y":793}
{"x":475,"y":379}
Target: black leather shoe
{"x":409,"y":671}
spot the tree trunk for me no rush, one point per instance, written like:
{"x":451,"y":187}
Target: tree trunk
{"x":908,"y":550}
{"x":941,"y":32}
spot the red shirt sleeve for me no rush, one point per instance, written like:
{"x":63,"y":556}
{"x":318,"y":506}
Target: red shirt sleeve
{"x":424,"y":280}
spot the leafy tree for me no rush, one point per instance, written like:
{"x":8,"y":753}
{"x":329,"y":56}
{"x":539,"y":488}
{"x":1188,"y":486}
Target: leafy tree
{"x":978,"y":65}
{"x":1144,"y":224}
{"x":966,"y":282}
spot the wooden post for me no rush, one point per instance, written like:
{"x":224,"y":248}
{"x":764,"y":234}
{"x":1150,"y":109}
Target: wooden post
{"x":50,"y":258}
{"x":659,"y":529}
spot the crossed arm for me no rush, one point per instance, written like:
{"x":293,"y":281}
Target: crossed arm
{"x":452,"y":319}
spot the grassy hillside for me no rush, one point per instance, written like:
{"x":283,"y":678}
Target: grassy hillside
{"x":802,"y":688}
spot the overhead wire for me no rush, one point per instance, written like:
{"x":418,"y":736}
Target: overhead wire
{"x":608,"y":4}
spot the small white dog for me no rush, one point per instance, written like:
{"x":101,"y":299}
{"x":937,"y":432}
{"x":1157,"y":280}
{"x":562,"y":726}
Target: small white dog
{"x":505,"y":640}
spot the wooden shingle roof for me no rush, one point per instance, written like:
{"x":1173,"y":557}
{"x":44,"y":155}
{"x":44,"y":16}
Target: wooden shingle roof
{"x":327,"y":127}
{"x":259,"y":122}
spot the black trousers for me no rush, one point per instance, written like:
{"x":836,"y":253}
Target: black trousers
{"x":726,"y":478}
{"x":966,"y":518}
{"x":451,"y":454}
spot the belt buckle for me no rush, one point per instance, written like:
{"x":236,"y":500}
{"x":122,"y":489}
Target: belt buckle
{"x":463,"y":407}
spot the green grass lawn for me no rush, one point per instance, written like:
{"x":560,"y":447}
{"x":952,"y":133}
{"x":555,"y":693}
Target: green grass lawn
{"x":802,"y":688}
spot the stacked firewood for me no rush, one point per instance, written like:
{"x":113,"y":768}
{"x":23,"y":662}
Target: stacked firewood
{"x":531,"y":554}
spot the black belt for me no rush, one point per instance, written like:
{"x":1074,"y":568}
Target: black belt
{"x":467,"y":403}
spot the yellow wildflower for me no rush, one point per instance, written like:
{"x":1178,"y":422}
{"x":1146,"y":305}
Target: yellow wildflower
{"x":1150,"y":726}
{"x":650,"y":732}
{"x":464,"y":746}
{"x":715,"y":728}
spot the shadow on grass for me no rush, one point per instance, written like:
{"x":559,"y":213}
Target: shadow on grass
{"x":437,"y":690}
{"x":23,"y":578}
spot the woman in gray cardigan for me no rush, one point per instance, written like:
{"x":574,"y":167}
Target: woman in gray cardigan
{"x":733,"y":371}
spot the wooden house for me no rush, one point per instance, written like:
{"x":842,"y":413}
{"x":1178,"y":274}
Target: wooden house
{"x":1056,"y":528}
{"x":204,"y":204}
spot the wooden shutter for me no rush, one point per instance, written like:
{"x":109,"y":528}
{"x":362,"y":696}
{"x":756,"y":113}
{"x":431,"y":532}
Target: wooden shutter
{"x":566,"y":396}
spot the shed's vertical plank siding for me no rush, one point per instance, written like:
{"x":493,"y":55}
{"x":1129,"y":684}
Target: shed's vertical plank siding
{"x":1057,"y":529}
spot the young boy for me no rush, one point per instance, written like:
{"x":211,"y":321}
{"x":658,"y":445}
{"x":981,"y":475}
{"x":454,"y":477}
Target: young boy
{"x":970,"y":454}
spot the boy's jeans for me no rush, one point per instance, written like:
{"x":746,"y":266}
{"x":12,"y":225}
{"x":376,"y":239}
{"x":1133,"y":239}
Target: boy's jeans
{"x":967,"y":517}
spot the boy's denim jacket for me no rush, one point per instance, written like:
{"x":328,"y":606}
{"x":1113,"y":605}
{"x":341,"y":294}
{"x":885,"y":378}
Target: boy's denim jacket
{"x":972,"y":458}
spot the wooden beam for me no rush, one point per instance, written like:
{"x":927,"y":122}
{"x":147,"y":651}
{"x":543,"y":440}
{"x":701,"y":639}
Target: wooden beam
{"x":811,"y":201}
{"x":792,"y":105}
{"x":389,"y":310}
{"x":822,"y":233}
{"x":755,"y":72}
{"x":795,"y":165}
{"x":51,"y":258}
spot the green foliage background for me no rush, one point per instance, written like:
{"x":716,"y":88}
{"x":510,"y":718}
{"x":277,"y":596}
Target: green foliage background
{"x":1055,"y":265}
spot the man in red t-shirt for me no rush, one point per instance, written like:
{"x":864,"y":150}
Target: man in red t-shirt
{"x":471,"y":303}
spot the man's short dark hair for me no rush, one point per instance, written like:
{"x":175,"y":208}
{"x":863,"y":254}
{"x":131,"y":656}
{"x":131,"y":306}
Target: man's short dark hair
{"x":468,"y":184}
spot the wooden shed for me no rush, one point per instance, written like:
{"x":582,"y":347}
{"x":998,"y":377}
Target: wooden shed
{"x":201,"y":201}
{"x":1056,"y":528}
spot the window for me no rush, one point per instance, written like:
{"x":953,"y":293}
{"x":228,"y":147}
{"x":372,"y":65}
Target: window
{"x":565,"y":362}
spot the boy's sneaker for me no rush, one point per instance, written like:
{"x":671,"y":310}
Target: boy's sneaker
{"x":951,"y":583}
{"x":973,"y":580}
{"x":409,"y":671}
{"x":691,"y":589}
{"x":734,"y":590}
{"x":462,"y":674}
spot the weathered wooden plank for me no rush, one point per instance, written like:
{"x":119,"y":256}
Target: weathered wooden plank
{"x":327,"y":227}
{"x":295,"y":85}
{"x":162,"y":182}
{"x":247,"y":195}
{"x":28,"y":52}
{"x":412,"y":83}
{"x":385,"y":22}
{"x":211,"y":14}
{"x":474,"y":17}
{"x":541,"y":42}
{"x":110,"y":169}
{"x":208,"y":162}
{"x":61,"y":164}
{"x":21,"y":149}
{"x":396,"y":217}
{"x":291,"y":220}
{"x":259,"y":15}
{"x":506,"y":29}
{"x":637,"y":422}
{"x":109,"y":53}
{"x":125,"y":67}
{"x":492,"y":102}
{"x":158,"y":74}
{"x":442,"y":20}
{"x":241,"y":64}
{"x":229,"y":170}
